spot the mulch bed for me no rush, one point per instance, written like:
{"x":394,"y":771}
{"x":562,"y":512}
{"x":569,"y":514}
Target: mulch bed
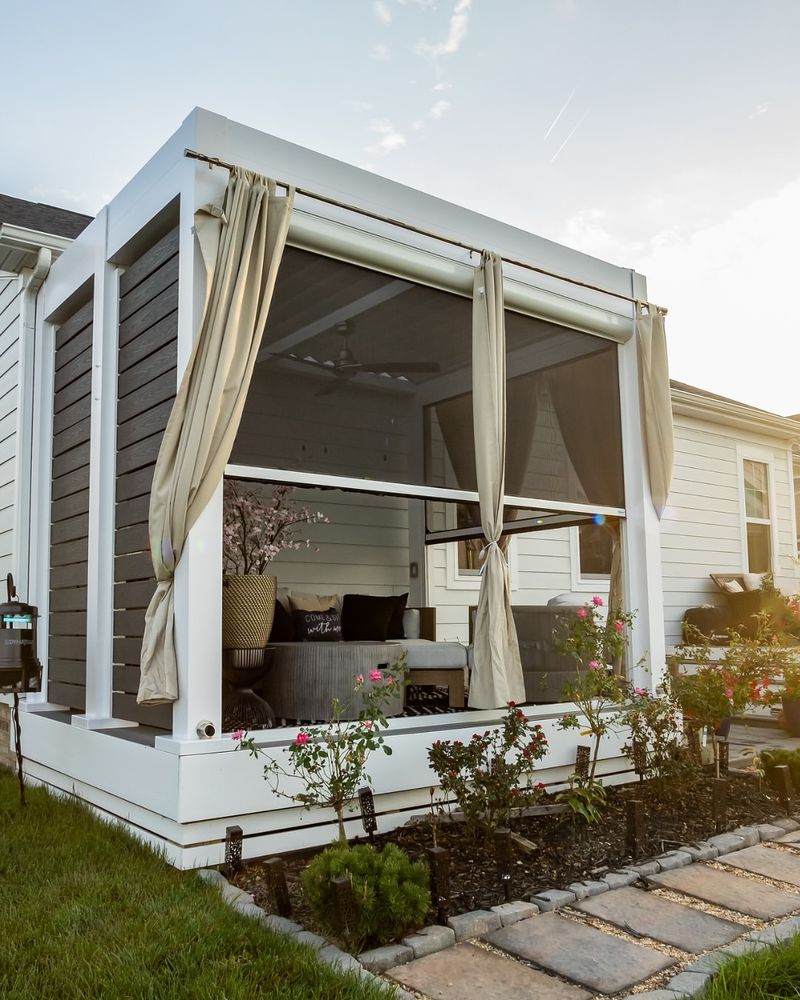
{"x":675,"y":815}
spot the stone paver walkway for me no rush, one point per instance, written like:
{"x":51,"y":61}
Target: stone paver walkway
{"x":726,"y":889}
{"x":649,"y":915}
{"x":584,"y":949}
{"x":469,"y":973}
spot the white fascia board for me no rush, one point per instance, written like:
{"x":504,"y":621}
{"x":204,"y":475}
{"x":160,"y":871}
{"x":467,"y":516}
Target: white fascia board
{"x":235,"y":143}
{"x":31,"y":240}
{"x":732,"y":414}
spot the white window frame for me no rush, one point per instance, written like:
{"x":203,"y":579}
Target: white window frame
{"x":457,"y":579}
{"x":753,"y":453}
{"x":579,"y":583}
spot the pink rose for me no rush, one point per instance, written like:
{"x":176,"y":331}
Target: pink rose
{"x":301,"y":739}
{"x":359,"y":680}
{"x":367,"y":724}
{"x":375,"y":675}
{"x":581,"y":612}
{"x":237,"y":734}
{"x":619,"y":626}
{"x":729,"y":693}
{"x":597,"y":601}
{"x":390,"y":680}
{"x":640,"y":691}
{"x":593,"y":665}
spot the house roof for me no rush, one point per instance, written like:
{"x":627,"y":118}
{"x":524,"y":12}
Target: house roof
{"x":41,"y":218}
{"x":690,"y":400}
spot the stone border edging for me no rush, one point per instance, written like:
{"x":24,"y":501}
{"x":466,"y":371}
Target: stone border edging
{"x":476,"y":923}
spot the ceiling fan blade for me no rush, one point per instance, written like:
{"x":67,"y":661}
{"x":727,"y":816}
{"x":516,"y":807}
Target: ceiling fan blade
{"x":401,"y":367}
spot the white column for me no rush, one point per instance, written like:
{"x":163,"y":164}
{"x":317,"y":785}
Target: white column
{"x":641,"y":536}
{"x":102,"y":496}
{"x":198,"y":579}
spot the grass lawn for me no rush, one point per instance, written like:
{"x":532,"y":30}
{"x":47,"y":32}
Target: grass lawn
{"x":772,"y":974}
{"x":85,"y":912}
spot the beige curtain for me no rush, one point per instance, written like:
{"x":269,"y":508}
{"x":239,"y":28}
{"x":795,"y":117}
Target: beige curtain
{"x":657,"y":403}
{"x":251,"y":235}
{"x":497,"y":673}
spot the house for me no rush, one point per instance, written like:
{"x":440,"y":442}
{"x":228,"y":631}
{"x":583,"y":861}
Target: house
{"x":32,"y":236}
{"x":359,"y":398}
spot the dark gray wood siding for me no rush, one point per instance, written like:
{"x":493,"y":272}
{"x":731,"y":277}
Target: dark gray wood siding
{"x":69,"y":528}
{"x":148,"y":329}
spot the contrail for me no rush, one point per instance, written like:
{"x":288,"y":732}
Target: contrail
{"x":563,"y":144}
{"x":560,"y":113}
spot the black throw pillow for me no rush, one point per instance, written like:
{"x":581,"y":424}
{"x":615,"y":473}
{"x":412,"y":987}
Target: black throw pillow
{"x":396,"y":630}
{"x":317,"y":626}
{"x":366,"y":618}
{"x":282,"y":625}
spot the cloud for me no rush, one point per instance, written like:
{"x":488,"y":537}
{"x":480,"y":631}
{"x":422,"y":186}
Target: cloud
{"x":457,"y":32}
{"x":731,"y":328}
{"x":442,"y":86}
{"x":359,"y":105}
{"x":380,"y":53}
{"x":439,"y":109}
{"x":390,"y":138}
{"x":381,"y":11}
{"x":760,"y":109}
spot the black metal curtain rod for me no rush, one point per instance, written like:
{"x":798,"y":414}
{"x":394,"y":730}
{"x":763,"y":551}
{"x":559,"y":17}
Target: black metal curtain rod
{"x":215,"y":161}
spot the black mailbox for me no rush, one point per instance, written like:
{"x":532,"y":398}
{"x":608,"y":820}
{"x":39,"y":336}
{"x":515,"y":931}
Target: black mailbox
{"x":20,"y":670}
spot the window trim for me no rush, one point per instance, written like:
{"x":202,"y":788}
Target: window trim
{"x":766,"y":457}
{"x":459,"y":580}
{"x":578,"y":583}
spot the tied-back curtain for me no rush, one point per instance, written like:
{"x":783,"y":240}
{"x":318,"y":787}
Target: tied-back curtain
{"x":205,"y":417}
{"x":497,"y":673}
{"x":657,"y":404}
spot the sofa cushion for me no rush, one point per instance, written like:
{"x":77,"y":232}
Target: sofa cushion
{"x":422,"y":653}
{"x":366,"y":618}
{"x":312,"y":602}
{"x":412,"y":622}
{"x":318,"y":626}
{"x":282,"y":625}
{"x":396,"y":629}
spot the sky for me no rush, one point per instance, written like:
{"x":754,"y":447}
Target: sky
{"x":662,"y":135}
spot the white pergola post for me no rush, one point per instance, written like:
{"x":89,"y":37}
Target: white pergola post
{"x":102,"y":496}
{"x":641,"y":535}
{"x":198,"y":578}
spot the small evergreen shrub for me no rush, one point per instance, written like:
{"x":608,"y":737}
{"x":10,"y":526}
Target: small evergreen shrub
{"x":390,"y":892}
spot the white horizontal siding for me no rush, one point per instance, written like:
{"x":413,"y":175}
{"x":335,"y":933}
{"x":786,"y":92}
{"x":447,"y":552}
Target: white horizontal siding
{"x":10,"y":301}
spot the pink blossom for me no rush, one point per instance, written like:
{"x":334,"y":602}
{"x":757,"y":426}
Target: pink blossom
{"x":597,"y":601}
{"x":301,"y":739}
{"x":729,"y":693}
{"x":359,"y":680}
{"x":581,"y":612}
{"x":375,"y":675}
{"x":593,"y":665}
{"x":619,"y":626}
{"x":237,"y":734}
{"x":640,"y":691}
{"x":367,"y":724}
{"x":390,"y":680}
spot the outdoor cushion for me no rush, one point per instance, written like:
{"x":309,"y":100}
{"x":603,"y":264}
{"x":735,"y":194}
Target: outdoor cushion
{"x":395,"y":630}
{"x":365,"y":617}
{"x":422,"y":653}
{"x":318,"y":626}
{"x":411,"y":623}
{"x":312,"y":602}
{"x":282,"y":625}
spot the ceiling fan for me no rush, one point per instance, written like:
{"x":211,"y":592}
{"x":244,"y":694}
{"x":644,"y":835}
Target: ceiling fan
{"x":346,"y":365}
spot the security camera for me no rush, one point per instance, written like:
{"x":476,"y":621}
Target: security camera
{"x":206,"y":729}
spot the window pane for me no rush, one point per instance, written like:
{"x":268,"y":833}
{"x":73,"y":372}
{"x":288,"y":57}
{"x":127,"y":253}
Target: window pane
{"x":759,"y":550}
{"x":563,"y":432}
{"x":349,"y":358}
{"x":596,"y":546}
{"x":756,"y":489}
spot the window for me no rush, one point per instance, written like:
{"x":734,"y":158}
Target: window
{"x":595,"y":547}
{"x":757,"y":516}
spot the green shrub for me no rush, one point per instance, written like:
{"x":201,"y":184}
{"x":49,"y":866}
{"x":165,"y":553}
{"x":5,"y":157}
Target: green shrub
{"x":774,"y":757}
{"x":390,"y":892}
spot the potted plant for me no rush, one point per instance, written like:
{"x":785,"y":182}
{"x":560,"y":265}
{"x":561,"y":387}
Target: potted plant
{"x":256,"y":528}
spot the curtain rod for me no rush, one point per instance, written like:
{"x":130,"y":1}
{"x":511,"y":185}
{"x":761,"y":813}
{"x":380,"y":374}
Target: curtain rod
{"x":215,"y":161}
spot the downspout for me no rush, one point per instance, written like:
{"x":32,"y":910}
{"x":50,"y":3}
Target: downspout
{"x":32,"y":284}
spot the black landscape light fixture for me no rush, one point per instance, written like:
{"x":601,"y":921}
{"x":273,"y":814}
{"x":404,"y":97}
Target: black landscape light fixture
{"x":20,"y":670}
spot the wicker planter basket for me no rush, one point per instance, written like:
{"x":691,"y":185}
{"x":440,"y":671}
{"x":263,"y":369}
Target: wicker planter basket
{"x":248,"y":607}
